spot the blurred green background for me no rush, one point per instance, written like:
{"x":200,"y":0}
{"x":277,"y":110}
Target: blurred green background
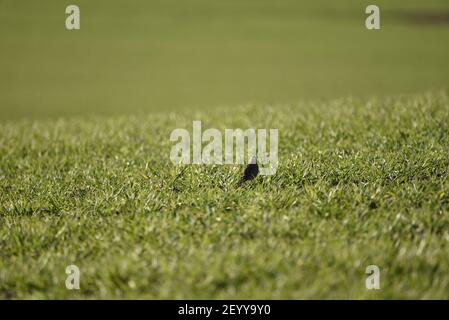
{"x":144,"y":56}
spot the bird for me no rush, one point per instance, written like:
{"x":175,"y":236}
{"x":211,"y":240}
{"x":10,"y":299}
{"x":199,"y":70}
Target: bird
{"x":251,"y":171}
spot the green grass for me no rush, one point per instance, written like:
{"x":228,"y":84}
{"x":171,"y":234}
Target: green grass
{"x":360,"y":182}
{"x":172,"y":54}
{"x":85,"y":175}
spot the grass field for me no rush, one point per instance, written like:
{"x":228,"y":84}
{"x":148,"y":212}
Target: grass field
{"x":86,"y":179}
{"x":198,"y":54}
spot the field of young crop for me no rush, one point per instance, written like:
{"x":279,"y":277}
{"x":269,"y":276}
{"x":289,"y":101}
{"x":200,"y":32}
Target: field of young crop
{"x":86,"y":177}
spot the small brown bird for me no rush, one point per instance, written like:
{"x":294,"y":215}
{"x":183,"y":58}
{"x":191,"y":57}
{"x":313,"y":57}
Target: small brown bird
{"x":251,"y":171}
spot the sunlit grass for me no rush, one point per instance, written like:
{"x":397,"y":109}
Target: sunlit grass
{"x":360,"y":182}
